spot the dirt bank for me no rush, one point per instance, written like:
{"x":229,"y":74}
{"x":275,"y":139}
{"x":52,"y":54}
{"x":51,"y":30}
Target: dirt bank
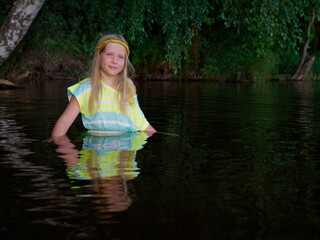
{"x":39,"y":65}
{"x":63,"y":66}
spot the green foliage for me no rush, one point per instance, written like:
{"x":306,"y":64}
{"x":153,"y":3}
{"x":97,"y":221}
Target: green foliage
{"x":288,"y":62}
{"x":179,"y":20}
{"x":151,"y":53}
{"x":260,"y":28}
{"x":275,"y":24}
{"x":315,"y":70}
{"x":227,"y":54}
{"x":10,"y":68}
{"x":6,"y":6}
{"x":264,"y":67}
{"x":236,"y":38}
{"x":75,"y":28}
{"x":173,"y":21}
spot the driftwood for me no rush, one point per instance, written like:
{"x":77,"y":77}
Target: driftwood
{"x":13,"y":83}
{"x":5,"y":84}
{"x":20,"y":76}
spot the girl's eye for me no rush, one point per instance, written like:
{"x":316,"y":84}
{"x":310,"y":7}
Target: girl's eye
{"x":121,"y":57}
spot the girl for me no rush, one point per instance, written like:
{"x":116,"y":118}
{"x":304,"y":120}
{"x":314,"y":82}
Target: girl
{"x":107,"y":99}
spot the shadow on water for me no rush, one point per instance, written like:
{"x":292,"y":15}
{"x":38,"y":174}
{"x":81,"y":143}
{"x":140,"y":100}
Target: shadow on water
{"x":244,"y":166}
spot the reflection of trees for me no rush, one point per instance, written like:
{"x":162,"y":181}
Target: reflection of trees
{"x":271,"y":180}
{"x":274,"y":173}
{"x":306,"y":111}
{"x":247,"y":156}
{"x":37,"y":184}
{"x":38,"y":106}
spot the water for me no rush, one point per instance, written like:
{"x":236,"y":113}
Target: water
{"x":245,"y":165}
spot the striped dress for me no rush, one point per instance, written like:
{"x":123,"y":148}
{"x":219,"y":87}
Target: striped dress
{"x":107,"y":116}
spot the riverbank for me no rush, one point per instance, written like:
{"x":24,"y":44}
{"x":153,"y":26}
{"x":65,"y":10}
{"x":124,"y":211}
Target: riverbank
{"x":39,"y":65}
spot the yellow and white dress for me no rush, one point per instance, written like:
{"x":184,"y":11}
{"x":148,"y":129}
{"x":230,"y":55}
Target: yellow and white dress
{"x":107,"y":115}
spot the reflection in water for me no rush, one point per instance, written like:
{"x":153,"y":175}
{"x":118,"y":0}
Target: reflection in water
{"x":11,"y":139}
{"x":109,"y":162}
{"x":40,"y":183}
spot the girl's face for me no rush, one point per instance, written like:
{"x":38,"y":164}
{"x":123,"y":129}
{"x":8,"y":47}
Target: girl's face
{"x":112,"y":60}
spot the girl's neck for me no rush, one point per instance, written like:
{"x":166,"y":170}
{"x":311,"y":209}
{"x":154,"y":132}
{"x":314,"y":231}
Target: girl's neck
{"x":110,"y":81}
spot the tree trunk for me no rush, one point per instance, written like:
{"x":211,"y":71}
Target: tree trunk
{"x":305,"y":69}
{"x":17,"y":24}
{"x":316,"y":37}
{"x":306,"y":62}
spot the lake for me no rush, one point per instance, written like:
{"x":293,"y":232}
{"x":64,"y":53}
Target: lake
{"x":243,"y":163}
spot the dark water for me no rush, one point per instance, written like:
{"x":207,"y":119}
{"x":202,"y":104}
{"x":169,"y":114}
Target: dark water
{"x":244,"y":166}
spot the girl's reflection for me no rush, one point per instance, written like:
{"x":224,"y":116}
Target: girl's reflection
{"x":109,"y":161}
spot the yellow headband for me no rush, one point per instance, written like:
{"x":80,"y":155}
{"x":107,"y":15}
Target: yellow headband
{"x":113,"y":41}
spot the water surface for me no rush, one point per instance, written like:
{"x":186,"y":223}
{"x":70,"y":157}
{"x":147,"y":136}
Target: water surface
{"x":244,"y":166}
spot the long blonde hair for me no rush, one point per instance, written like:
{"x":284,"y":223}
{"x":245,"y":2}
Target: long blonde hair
{"x":123,"y":87}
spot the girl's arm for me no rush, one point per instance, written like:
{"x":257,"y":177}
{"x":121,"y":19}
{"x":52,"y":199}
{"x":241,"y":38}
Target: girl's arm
{"x":66,"y":119}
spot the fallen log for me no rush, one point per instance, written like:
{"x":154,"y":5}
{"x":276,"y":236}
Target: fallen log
{"x":5,"y":84}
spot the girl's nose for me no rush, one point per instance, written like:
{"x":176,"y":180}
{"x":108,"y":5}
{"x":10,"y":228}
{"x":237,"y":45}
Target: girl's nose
{"x":114,"y":59}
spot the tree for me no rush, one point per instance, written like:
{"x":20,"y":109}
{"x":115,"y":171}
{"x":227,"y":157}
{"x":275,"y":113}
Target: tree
{"x":228,"y":38}
{"x":277,"y":25}
{"x":16,"y":25}
{"x":306,"y":61}
{"x":174,"y":22}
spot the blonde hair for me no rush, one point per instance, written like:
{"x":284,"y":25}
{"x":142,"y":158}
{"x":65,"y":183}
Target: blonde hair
{"x":123,"y":86}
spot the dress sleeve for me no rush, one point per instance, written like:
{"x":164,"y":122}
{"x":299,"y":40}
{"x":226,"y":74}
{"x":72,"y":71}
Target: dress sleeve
{"x":81,"y":91}
{"x":137,"y":116}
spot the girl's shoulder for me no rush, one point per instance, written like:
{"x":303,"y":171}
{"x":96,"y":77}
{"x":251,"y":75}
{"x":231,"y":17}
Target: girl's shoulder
{"x":80,"y":88}
{"x":85,"y":83}
{"x":132,"y":86}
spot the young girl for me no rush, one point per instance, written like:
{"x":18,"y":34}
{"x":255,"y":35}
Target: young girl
{"x":107,"y":99}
